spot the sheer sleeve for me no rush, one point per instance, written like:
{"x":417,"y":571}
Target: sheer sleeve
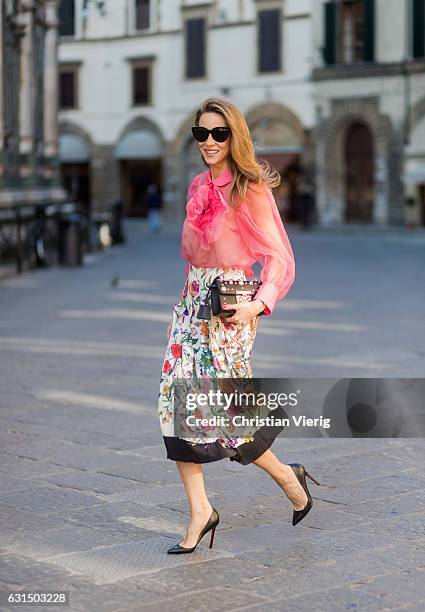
{"x":263,"y":233}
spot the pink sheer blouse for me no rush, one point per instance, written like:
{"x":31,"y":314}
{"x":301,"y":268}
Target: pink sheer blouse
{"x":216,"y":235}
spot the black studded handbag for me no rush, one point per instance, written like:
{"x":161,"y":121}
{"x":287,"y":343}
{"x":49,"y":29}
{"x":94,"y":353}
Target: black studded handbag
{"x":226,"y":291}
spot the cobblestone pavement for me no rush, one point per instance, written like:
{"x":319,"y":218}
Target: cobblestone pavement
{"x":88,"y":502}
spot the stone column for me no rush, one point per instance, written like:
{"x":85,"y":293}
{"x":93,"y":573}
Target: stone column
{"x":1,"y":78}
{"x":26,"y":94}
{"x":50,"y":80}
{"x":104,"y":177}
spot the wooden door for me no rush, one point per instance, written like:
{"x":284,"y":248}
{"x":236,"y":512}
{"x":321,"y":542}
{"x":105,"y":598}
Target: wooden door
{"x":359,"y":181}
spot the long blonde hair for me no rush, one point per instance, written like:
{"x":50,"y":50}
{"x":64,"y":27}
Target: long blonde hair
{"x":242,"y":160}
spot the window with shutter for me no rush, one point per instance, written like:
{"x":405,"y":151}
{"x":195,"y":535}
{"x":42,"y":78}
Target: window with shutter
{"x":195,"y":47}
{"x":418,"y":28}
{"x":329,"y":49}
{"x":66,"y":18}
{"x":67,"y":89}
{"x":142,"y":13}
{"x":269,"y":40}
{"x":369,"y":31}
{"x":141,"y":85}
{"x":349,"y":31}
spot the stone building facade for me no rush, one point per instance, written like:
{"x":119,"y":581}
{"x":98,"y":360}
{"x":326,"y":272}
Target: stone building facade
{"x":29,"y":170}
{"x":332,"y":91}
{"x":369,"y":83}
{"x":116,"y":141}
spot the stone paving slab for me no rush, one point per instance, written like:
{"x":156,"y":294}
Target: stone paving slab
{"x":128,"y":519}
{"x":220,"y":572}
{"x":13,"y":520}
{"x":67,"y":539}
{"x":81,"y":448}
{"x":156,"y":452}
{"x":109,"y":564}
{"x":28,"y":468}
{"x":387,"y":507}
{"x":46,"y":499}
{"x":71,"y":434}
{"x":101,"y":484}
{"x":384,"y":560}
{"x":84,"y":595}
{"x":9,"y":483}
{"x":208,"y":600}
{"x":141,"y":469}
{"x":67,"y":454}
{"x":284,"y":539}
{"x":325,"y":600}
{"x":401,"y":588}
{"x":150,"y":496}
{"x":408,"y":526}
{"x":370,"y":489}
{"x":16,"y":570}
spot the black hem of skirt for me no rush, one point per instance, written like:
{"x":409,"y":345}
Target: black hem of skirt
{"x":246,"y":453}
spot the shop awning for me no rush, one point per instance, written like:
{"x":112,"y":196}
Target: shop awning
{"x":73,"y":149}
{"x":140,"y":144}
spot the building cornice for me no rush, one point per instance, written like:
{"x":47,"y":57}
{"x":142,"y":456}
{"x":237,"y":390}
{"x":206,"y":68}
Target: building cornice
{"x":361,"y":71}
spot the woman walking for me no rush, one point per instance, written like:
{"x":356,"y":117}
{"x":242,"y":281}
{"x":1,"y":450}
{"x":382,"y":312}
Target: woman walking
{"x":231,"y":222}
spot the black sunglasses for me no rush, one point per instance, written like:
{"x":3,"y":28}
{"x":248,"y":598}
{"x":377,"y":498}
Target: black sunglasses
{"x":220,"y":134}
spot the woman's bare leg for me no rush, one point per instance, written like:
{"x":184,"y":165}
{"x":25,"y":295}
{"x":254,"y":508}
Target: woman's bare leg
{"x":284,"y":476}
{"x":200,"y":507}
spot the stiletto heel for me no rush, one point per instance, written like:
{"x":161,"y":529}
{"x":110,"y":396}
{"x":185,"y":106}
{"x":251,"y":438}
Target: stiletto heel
{"x":311,"y":478}
{"x":300,"y":473}
{"x":212,"y":537}
{"x":212,"y":523}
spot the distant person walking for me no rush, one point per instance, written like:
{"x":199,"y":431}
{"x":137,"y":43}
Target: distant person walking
{"x":153,"y":203}
{"x":305,"y":205}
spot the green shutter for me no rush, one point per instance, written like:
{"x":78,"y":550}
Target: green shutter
{"x":418,"y":28}
{"x":369,"y":31}
{"x":329,"y":48}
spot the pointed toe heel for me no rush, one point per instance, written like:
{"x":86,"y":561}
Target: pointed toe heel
{"x":211,"y":525}
{"x":300,"y":472}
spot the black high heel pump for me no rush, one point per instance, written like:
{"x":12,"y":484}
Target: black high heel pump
{"x":211,"y":525}
{"x":301,"y":473}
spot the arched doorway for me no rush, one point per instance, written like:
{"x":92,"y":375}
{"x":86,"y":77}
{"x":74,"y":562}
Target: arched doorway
{"x":139,"y":153}
{"x":359,"y":174}
{"x":74,"y":159}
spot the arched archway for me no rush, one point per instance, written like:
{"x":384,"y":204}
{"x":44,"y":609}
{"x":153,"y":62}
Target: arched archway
{"x":139,"y":151}
{"x":330,"y":137}
{"x":75,"y":156}
{"x":359,"y":173}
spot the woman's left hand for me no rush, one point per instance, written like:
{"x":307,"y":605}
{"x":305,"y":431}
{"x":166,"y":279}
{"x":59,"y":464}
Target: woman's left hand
{"x":245,"y":312}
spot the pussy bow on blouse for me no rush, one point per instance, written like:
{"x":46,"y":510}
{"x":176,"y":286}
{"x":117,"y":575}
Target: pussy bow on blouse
{"x":217,"y":235}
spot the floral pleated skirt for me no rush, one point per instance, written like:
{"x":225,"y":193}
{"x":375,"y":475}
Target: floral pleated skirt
{"x":199,"y":349}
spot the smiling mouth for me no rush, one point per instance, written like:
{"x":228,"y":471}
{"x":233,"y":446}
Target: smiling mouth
{"x":213,"y":152}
